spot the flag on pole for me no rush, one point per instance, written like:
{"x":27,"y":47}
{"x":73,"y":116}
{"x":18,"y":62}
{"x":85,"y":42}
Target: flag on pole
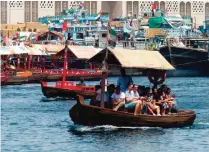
{"x":5,"y":39}
{"x":154,"y":6}
{"x":166,"y":12}
{"x":64,"y":25}
{"x":113,"y":34}
{"x":99,"y":15}
{"x":20,"y":36}
{"x":131,"y":22}
{"x":82,"y":4}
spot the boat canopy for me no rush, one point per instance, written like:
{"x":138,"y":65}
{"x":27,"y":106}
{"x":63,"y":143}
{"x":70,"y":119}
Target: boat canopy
{"x":5,"y":51}
{"x":20,"y":49}
{"x":79,"y":52}
{"x":53,"y":49}
{"x":36,"y":50}
{"x":127,"y":58}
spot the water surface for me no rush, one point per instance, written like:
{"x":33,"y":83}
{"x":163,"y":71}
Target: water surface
{"x":32,"y":123}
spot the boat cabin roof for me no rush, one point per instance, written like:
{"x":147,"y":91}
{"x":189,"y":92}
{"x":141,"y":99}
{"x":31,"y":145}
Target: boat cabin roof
{"x":5,"y":50}
{"x":127,"y":58}
{"x":79,"y":52}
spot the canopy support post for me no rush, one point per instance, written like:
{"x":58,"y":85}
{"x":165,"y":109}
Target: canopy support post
{"x":37,"y":60}
{"x":43,"y":63}
{"x":25,"y":62}
{"x":29,"y":61}
{"x":18,"y":62}
{"x":104,"y":79}
{"x":90,"y":66}
{"x":104,"y":88}
{"x":65,"y":65}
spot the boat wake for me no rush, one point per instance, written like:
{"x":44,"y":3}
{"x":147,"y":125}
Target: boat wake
{"x":200,"y":125}
{"x":45,"y":99}
{"x":78,"y":128}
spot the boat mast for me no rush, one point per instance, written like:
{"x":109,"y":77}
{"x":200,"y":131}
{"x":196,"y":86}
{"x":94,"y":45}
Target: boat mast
{"x":65,"y":64}
{"x":104,"y":69}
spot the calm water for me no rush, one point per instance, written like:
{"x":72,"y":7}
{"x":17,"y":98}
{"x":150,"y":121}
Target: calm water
{"x":33,"y":123}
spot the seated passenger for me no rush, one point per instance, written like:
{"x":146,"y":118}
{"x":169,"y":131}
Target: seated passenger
{"x":151,"y":105}
{"x":131,"y":102}
{"x":158,"y":96}
{"x":170,"y":99}
{"x":118,"y":99}
{"x":97,"y":102}
{"x":135,"y":90}
{"x":82,"y":82}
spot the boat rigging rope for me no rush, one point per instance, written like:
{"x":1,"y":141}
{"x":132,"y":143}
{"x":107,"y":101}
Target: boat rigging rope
{"x":184,"y":53}
{"x":191,"y":62}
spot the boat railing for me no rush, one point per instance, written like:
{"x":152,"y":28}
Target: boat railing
{"x":137,"y":45}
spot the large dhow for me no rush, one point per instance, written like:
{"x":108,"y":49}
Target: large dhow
{"x":85,"y":114}
{"x":69,"y":89}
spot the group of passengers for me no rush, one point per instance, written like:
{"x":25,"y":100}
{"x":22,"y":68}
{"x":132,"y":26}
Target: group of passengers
{"x":137,"y":99}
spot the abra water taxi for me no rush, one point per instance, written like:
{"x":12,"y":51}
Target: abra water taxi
{"x":85,"y":114}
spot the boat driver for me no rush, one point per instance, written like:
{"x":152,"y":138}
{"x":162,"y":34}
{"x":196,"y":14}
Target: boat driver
{"x":124,"y":80}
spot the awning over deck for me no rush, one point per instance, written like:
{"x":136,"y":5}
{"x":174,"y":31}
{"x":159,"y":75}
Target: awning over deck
{"x":36,"y":50}
{"x":5,"y":51}
{"x":53,"y":49}
{"x":18,"y":49}
{"x":79,"y":52}
{"x":142,"y":59}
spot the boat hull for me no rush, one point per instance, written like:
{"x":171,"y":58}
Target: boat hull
{"x":53,"y":92}
{"x":187,"y":61}
{"x":88,"y":115}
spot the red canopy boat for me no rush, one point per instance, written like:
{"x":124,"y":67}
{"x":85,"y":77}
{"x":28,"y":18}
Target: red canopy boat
{"x":66,"y":88}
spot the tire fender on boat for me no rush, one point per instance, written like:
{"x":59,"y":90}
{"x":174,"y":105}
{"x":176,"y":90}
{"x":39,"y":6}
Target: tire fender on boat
{"x":157,"y":77}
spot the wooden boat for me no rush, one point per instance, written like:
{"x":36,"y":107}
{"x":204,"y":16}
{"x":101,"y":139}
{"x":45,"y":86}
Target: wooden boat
{"x":68,"y":91}
{"x":85,"y":114}
{"x":19,"y":78}
{"x":66,"y":88}
{"x":89,"y":115}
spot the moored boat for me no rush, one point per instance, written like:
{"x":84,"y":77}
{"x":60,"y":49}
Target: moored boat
{"x":66,"y":88}
{"x":68,"y":91}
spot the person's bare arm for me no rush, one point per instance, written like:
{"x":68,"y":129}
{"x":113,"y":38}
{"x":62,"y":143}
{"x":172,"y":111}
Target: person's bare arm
{"x":129,"y":99}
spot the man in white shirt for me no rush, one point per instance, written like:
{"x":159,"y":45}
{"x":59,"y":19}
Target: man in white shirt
{"x":118,"y":99}
{"x":131,"y":102}
{"x":99,"y":95}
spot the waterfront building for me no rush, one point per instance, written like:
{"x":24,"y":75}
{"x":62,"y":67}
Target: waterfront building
{"x":29,"y":11}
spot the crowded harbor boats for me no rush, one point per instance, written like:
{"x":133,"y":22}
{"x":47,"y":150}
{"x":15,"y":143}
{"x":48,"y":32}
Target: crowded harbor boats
{"x":28,"y":49}
{"x":127,"y":104}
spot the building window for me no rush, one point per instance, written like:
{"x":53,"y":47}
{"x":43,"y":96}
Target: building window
{"x":162,"y":6}
{"x":87,"y":6}
{"x":207,"y":11}
{"x":135,"y":8}
{"x":188,"y":9}
{"x":157,"y":4}
{"x":57,"y":8}
{"x":129,"y":7}
{"x":93,"y":7}
{"x":182,"y":9}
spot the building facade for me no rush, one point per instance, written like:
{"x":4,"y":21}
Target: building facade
{"x":29,"y":11}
